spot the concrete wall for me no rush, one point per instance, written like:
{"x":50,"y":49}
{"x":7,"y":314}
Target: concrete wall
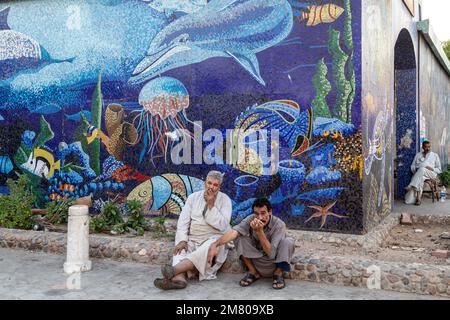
{"x":377,"y":102}
{"x":434,"y":95}
{"x":293,"y":70}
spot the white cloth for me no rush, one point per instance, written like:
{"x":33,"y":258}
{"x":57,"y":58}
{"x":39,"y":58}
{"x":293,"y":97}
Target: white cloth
{"x":430,"y":160}
{"x":421,"y":173}
{"x":200,"y":231}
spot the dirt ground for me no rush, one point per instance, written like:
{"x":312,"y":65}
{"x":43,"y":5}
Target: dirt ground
{"x":402,"y":245}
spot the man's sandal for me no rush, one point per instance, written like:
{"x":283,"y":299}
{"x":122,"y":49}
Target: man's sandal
{"x":277,"y":281}
{"x":248,"y":280}
{"x":168,"y":271}
{"x":166,"y":284}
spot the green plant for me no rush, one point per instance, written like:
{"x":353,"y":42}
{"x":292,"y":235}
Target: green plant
{"x":444,"y":177}
{"x":15,"y":208}
{"x":136,"y":220}
{"x":109,"y":219}
{"x":446,"y":47}
{"x":58,"y":211}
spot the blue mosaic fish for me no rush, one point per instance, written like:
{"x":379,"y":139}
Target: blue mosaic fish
{"x":6,"y":165}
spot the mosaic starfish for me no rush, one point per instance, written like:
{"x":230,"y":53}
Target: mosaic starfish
{"x":324,"y":213}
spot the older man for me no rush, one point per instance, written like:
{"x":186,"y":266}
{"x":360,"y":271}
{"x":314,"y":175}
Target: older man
{"x":205,"y":217}
{"x":261,"y":242}
{"x":426,"y":165}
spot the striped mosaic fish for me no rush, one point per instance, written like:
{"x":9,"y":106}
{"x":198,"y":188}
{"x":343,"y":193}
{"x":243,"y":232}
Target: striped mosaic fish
{"x":315,"y":15}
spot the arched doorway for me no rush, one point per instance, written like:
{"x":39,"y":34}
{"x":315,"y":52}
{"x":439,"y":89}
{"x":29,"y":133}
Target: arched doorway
{"x":406,"y":114}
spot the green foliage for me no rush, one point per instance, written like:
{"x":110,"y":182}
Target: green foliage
{"x":444,"y":177}
{"x":15,"y":208}
{"x":111,"y":220}
{"x":58,"y":211}
{"x":108,"y":220}
{"x":136,"y":220}
{"x":160,"y":230}
{"x":446,"y":47}
{"x":323,"y":87}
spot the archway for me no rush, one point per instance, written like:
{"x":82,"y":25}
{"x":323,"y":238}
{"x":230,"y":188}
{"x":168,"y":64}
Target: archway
{"x":406,"y":115}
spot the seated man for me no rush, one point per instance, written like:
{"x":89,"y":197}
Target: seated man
{"x":261,"y":242}
{"x":426,"y":165}
{"x":204,"y":218}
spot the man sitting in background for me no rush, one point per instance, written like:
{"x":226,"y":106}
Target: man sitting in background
{"x":426,"y":165}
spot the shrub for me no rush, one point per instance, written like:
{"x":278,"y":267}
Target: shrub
{"x":444,"y":177}
{"x":58,"y":211}
{"x":15,"y":208}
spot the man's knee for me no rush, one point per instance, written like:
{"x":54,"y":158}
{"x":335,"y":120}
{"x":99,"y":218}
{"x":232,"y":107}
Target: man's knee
{"x":288,"y":243}
{"x":285,"y":250}
{"x":242,"y":242}
{"x":421,"y":170}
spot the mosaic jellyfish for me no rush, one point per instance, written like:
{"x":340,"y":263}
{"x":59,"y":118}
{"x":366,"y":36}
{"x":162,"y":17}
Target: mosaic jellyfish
{"x":164,"y":102}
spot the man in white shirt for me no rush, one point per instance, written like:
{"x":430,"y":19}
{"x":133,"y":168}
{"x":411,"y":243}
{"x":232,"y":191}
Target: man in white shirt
{"x":205,"y":218}
{"x":426,"y":165}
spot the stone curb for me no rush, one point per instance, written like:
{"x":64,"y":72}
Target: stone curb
{"x":394,"y":276}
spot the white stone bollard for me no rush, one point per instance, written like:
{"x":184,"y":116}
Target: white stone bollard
{"x":78,"y":240}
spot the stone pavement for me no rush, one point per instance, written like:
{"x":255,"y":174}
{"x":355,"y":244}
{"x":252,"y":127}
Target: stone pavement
{"x":30,"y":275}
{"x":427,"y":208}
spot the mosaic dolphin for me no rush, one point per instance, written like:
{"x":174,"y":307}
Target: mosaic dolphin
{"x":19,"y":52}
{"x":92,"y":31}
{"x":223,"y":28}
{"x":186,"y":6}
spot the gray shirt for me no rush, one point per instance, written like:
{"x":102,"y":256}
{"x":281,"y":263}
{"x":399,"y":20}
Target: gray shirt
{"x":275,"y":231}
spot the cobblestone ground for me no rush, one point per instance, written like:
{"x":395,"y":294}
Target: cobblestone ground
{"x":30,"y":275}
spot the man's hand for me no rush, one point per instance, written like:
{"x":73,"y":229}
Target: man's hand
{"x":212,"y":253}
{"x":210,"y":198}
{"x":257,"y":225}
{"x":429,"y":168}
{"x":180,"y":247}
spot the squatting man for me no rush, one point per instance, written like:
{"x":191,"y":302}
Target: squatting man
{"x":261,"y":243}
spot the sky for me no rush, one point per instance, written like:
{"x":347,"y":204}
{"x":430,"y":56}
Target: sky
{"x":438,"y":13}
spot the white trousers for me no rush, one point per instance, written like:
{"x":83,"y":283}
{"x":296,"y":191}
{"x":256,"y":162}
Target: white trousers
{"x":420,"y":176}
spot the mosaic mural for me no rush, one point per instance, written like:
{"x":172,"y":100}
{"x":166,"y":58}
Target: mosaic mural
{"x":406,"y":128}
{"x":101,"y":100}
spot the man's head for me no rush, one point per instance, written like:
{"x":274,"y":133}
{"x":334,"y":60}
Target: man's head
{"x":426,"y":146}
{"x":262,"y":210}
{"x":213,"y":182}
